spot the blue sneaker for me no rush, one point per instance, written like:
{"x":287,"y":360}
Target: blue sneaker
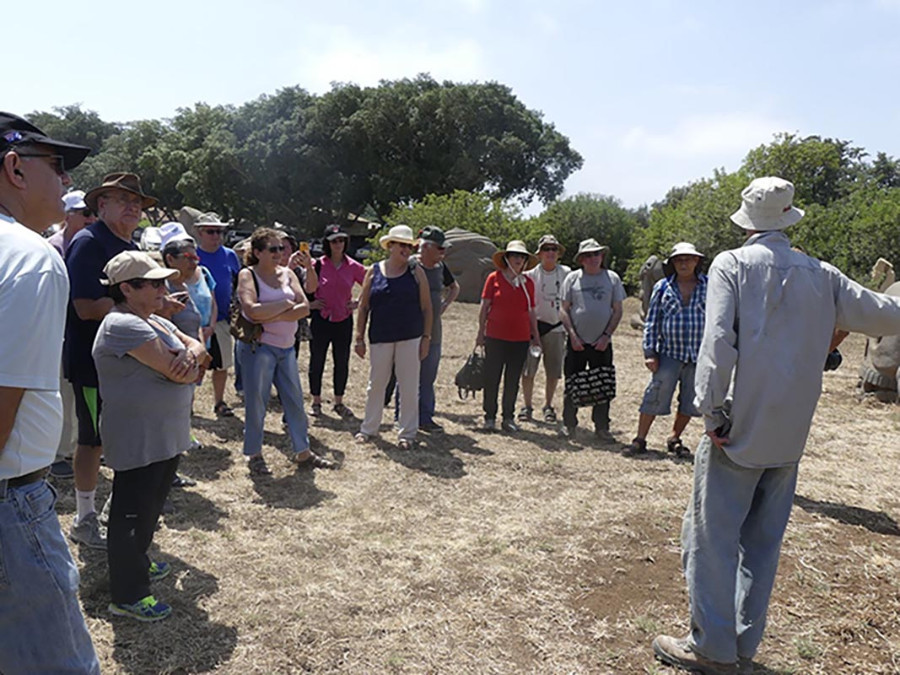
{"x":159,"y":570}
{"x":146,"y":610}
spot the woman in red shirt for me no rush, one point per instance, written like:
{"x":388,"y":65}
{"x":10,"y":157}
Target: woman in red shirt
{"x":506,"y":326}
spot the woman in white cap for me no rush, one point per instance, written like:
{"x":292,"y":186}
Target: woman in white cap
{"x":398,"y":298}
{"x":507,"y":324}
{"x":672,"y":335}
{"x":146,"y":367}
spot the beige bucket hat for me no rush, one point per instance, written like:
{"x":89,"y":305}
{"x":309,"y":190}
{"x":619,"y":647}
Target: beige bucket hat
{"x":515,"y":246}
{"x":768,"y":205}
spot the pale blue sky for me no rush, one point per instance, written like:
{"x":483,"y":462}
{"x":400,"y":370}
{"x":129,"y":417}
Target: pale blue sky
{"x":653,"y":93}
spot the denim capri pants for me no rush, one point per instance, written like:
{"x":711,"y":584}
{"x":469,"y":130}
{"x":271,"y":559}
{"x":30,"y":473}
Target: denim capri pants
{"x":658,"y":394}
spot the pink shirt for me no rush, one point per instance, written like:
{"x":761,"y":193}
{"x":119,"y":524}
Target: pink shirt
{"x":336,"y":287}
{"x":278,"y":334}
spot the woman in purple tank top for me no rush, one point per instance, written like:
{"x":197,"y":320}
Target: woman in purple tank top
{"x":398,"y":299}
{"x":270,"y":295}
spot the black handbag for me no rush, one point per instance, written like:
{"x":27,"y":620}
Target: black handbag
{"x":240,"y":326}
{"x":592,"y":387}
{"x":470,"y":377}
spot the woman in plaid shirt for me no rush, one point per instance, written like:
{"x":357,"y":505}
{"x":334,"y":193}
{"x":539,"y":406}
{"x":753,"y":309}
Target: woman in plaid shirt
{"x":672,"y":335}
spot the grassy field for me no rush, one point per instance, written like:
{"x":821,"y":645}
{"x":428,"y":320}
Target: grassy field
{"x":491,"y":553}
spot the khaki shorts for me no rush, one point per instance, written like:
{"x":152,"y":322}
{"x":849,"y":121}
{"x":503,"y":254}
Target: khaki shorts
{"x":553,"y":346}
{"x":223,"y":347}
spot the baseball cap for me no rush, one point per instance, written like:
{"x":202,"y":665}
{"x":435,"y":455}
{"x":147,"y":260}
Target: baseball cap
{"x":15,"y":130}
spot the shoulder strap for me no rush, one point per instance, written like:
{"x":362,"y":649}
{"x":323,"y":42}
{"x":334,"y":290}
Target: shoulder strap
{"x":318,"y":266}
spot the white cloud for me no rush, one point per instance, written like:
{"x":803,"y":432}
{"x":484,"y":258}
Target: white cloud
{"x":339,"y":55}
{"x":705,"y":135}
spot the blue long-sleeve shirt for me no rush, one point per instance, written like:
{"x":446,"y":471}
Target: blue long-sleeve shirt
{"x":672,"y":328}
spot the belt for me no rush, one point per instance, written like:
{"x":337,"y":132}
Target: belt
{"x":27,"y":479}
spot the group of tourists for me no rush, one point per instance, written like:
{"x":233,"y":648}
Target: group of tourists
{"x":745,"y":347}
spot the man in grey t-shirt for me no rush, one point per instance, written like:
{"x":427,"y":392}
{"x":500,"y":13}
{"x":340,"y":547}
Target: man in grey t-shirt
{"x":591,"y":310}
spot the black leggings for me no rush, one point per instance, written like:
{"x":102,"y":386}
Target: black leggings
{"x":505,"y":359}
{"x":339,"y":335}
{"x":137,"y":501}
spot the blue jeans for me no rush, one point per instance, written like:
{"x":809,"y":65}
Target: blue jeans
{"x":428,"y":371}
{"x":42,"y":629}
{"x":262,"y":365}
{"x":238,"y":376}
{"x":658,"y":394}
{"x":731,"y":540}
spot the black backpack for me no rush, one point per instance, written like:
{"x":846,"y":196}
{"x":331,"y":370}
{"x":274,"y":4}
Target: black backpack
{"x":470,"y":377}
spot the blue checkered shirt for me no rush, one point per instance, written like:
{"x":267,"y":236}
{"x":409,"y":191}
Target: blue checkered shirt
{"x":673,"y":329}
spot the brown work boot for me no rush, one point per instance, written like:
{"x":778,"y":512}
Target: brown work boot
{"x":677,"y":652}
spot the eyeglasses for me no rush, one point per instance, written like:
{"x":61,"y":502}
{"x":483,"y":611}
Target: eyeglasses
{"x":58,"y":163}
{"x":140,"y":283}
{"x":275,"y":249}
{"x":516,"y":255}
{"x":125,"y":199}
{"x":86,"y":213}
{"x":551,"y":249}
{"x":403,"y":244}
{"x":592,"y":254}
{"x":209,"y":230}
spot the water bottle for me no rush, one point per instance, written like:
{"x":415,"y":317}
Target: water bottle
{"x":535,"y":351}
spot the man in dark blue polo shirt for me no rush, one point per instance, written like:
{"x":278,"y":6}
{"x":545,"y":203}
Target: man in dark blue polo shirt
{"x":119,"y":202}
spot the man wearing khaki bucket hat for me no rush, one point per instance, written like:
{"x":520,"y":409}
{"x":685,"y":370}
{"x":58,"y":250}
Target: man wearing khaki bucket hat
{"x":770,"y":315}
{"x":591,"y":310}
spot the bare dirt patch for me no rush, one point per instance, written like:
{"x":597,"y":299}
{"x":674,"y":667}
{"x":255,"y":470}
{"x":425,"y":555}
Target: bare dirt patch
{"x":491,"y":553}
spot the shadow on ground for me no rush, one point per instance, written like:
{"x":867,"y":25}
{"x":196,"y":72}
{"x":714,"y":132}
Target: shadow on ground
{"x":874,"y":521}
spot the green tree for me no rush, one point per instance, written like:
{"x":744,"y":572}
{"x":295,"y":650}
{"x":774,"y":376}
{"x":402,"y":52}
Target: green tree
{"x":585,"y":216}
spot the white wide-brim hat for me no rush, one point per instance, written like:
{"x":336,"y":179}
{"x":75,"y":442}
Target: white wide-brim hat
{"x":767,"y":206}
{"x":401,"y":234}
{"x":683,"y":248}
{"x":515,"y":246}
{"x":172,"y":231}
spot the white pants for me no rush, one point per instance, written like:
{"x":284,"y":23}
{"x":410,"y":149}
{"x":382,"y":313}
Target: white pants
{"x":403,"y":358}
{"x":69,"y":438}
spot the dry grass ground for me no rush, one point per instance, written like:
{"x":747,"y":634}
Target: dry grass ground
{"x":492,"y":553}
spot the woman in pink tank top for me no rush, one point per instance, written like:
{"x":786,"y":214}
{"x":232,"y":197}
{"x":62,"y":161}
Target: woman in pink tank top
{"x":271,"y":295}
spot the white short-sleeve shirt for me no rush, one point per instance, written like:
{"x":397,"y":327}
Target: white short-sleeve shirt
{"x":34,"y":290}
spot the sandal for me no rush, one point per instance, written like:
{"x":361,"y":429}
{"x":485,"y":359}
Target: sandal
{"x":314,"y":462}
{"x":675,"y":445}
{"x":257,"y":466}
{"x":183,"y":481}
{"x":360,"y":437}
{"x":316,"y":410}
{"x":549,"y":415}
{"x":343,"y":411}
{"x":222,"y":409}
{"x":404,"y":444}
{"x":638,"y":447}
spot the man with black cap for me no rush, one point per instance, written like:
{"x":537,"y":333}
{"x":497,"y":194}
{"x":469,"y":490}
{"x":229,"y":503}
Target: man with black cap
{"x":119,"y":202}
{"x":39,"y":593}
{"x":432,"y":246}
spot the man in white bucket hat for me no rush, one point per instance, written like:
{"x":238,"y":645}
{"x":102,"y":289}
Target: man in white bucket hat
{"x":770,"y":315}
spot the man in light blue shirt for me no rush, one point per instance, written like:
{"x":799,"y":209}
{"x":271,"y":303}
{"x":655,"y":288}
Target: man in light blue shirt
{"x":770,"y":315}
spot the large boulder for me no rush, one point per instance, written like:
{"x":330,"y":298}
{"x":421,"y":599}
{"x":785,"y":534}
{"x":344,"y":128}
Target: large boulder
{"x":469,"y":258}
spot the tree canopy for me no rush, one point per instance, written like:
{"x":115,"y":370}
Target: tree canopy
{"x":294,"y":156}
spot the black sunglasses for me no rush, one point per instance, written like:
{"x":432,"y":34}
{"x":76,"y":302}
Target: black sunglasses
{"x":58,"y":163}
{"x":275,"y":249}
{"x":549,"y":248}
{"x":87,"y":213}
{"x":140,"y":283}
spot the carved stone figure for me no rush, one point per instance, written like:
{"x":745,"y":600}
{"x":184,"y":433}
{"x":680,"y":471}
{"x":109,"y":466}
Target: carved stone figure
{"x":651,"y":272}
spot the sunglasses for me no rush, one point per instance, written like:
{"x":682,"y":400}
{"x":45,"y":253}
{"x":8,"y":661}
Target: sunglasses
{"x":403,"y":245}
{"x":516,"y":255}
{"x":275,"y":249}
{"x":592,"y":254}
{"x":552,"y":249}
{"x":209,"y":230}
{"x":140,"y":283}
{"x":87,"y":213}
{"x":58,"y":163}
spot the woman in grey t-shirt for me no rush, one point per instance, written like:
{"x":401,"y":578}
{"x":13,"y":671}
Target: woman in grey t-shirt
{"x":145,"y":367}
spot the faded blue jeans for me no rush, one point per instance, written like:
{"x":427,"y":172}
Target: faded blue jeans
{"x":731,"y":540}
{"x":262,"y":366}
{"x":42,"y":629}
{"x":428,"y":371}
